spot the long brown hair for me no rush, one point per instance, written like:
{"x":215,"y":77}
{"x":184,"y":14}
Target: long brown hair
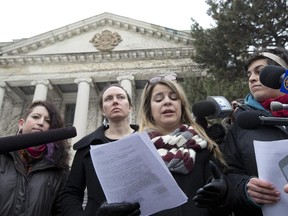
{"x":147,"y":121}
{"x":57,"y":152}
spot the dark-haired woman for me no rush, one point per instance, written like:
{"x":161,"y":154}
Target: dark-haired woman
{"x":32,"y":179}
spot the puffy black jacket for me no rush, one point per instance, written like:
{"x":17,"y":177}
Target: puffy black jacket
{"x":239,"y":152}
{"x":34,"y":194}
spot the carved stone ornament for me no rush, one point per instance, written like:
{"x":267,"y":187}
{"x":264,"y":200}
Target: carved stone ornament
{"x":106,"y":40}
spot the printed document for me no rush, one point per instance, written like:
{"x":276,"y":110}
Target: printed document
{"x":268,"y":154}
{"x":131,"y":170}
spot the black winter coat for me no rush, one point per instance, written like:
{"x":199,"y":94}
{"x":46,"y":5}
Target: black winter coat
{"x":37,"y":193}
{"x":82,"y":174}
{"x":239,"y":152}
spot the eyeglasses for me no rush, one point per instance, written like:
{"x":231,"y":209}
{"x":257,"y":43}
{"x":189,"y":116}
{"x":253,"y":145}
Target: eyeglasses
{"x":170,"y":77}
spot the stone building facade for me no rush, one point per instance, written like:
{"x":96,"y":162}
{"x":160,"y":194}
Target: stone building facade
{"x":70,"y":66}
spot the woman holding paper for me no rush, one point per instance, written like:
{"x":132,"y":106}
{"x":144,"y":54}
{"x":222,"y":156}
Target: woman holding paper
{"x":116,"y":106}
{"x":185,"y":148}
{"x":254,"y":194}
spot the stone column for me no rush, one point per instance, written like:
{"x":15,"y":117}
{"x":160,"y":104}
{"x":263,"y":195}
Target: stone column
{"x":82,"y":107}
{"x":41,"y":89}
{"x":2,"y":93}
{"x":127,"y":82}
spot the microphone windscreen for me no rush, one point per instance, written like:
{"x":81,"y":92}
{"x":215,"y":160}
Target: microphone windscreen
{"x":22,"y":141}
{"x":202,"y":109}
{"x":216,"y":132}
{"x":276,"y":106}
{"x":270,"y":76}
{"x":248,"y":120}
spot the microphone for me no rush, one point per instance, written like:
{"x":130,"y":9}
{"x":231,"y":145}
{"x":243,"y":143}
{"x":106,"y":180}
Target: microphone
{"x":223,"y":106}
{"x":204,"y":108}
{"x":22,"y":141}
{"x":276,"y":106}
{"x":212,"y":107}
{"x":251,"y":120}
{"x":216,"y":132}
{"x":272,"y":76}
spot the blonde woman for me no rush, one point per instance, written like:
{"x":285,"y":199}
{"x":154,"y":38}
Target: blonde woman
{"x":185,"y":148}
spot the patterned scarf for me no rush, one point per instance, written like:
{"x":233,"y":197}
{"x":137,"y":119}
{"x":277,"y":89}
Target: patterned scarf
{"x":178,"y":149}
{"x":282,"y":99}
{"x":31,"y":155}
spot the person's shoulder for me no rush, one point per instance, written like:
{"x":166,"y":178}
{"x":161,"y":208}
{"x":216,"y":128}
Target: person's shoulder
{"x":243,"y":108}
{"x":88,"y":139}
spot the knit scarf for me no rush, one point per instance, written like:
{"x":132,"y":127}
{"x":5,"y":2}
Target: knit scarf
{"x":282,"y":99}
{"x":178,"y":149}
{"x":31,"y":155}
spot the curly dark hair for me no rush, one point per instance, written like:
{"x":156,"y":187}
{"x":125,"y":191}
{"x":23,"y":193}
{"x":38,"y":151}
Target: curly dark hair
{"x":57,"y":152}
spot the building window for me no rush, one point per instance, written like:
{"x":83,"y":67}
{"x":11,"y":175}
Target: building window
{"x":69,"y":114}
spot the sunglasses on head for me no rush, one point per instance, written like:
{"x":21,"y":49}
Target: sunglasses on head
{"x":170,"y":77}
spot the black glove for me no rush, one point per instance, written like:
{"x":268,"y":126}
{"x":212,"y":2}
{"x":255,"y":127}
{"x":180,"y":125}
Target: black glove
{"x":213,"y":193}
{"x":216,"y":132}
{"x":119,"y":209}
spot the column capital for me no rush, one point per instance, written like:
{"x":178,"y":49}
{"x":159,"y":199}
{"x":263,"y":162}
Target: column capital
{"x":84,"y":79}
{"x":43,"y":82}
{"x":125,"y":77}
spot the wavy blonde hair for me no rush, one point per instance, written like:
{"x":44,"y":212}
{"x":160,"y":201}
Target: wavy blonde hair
{"x":147,"y":122}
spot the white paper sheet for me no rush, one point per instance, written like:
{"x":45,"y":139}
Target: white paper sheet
{"x":268,"y":154}
{"x":131,"y":170}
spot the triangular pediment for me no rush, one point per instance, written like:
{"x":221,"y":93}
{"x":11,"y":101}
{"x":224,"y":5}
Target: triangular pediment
{"x":85,"y":37}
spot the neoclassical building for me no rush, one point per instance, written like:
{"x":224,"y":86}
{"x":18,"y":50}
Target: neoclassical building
{"x":70,"y":66}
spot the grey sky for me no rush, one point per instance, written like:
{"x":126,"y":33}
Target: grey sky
{"x":22,"y":19}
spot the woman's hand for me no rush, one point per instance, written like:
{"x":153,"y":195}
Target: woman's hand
{"x":262,"y":192}
{"x":286,"y":188}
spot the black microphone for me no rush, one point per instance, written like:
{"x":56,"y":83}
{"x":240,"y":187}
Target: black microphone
{"x":212,"y":107}
{"x":204,"y":108}
{"x":276,"y":106}
{"x":216,"y":132}
{"x":251,"y":120}
{"x":208,"y":108}
{"x":272,"y":76}
{"x":22,"y":141}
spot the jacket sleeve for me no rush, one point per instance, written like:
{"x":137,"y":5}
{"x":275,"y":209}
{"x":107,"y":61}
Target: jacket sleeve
{"x":57,"y":204}
{"x":236,"y":173}
{"x":73,"y":193}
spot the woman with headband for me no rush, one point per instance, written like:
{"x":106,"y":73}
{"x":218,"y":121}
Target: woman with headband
{"x":252,"y":193}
